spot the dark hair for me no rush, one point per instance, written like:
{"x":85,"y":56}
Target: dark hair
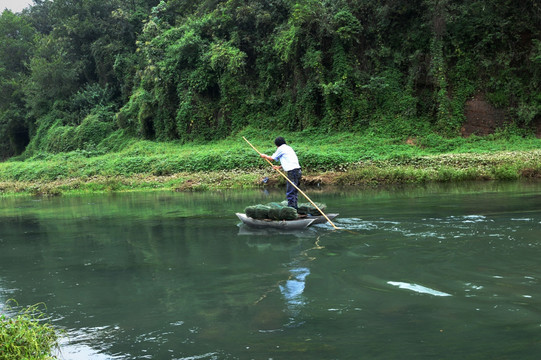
{"x":279,"y":141}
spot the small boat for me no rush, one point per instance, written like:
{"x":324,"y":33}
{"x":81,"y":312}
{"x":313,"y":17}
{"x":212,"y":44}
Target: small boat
{"x":300,"y":223}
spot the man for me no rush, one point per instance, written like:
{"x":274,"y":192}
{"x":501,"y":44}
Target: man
{"x":290,"y":164}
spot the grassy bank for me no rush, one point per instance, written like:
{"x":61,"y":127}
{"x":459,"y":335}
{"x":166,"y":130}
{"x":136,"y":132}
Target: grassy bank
{"x":123,"y":164}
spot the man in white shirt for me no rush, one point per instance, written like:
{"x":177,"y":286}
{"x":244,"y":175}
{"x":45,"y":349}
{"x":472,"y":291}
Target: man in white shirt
{"x":290,"y":164}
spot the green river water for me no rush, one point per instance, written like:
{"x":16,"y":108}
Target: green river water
{"x":434,"y":272}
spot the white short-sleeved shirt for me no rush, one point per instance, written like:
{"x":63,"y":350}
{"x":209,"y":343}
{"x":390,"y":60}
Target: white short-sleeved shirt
{"x":288,"y":158}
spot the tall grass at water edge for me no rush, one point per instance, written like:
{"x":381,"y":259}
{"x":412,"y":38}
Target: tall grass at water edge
{"x":26,"y":336}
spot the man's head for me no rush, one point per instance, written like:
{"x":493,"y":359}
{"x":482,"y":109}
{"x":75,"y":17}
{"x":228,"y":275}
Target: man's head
{"x":279,"y":141}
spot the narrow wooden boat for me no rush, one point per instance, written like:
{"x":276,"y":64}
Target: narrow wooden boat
{"x":284,"y":224}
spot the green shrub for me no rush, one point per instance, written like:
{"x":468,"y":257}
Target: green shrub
{"x":505,"y":172}
{"x":92,"y":131}
{"x":60,"y":139}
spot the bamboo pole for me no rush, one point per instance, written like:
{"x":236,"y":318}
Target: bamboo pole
{"x":295,"y":186}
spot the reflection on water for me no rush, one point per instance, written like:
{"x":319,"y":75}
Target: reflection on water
{"x":74,"y":346}
{"x":292,"y":291}
{"x":437,"y":272}
{"x":245,"y":230}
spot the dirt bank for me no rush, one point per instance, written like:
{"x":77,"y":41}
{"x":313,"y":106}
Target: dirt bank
{"x":484,"y":119}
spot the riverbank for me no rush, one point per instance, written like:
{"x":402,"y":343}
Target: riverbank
{"x":501,"y":165}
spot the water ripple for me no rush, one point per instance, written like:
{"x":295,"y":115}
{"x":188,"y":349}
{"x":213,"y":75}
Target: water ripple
{"x":211,"y":355}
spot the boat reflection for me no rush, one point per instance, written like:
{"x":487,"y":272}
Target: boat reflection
{"x":250,"y":231}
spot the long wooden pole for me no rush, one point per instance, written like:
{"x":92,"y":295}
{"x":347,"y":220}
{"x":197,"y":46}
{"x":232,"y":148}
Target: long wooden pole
{"x":295,"y":186}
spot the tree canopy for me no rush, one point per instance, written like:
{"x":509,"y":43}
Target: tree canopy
{"x":72,"y":72}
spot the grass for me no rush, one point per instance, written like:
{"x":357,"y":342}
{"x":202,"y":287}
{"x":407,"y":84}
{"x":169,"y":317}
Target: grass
{"x":25,"y":336}
{"x":341,"y":159}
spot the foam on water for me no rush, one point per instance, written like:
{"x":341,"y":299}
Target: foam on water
{"x":417,"y":288}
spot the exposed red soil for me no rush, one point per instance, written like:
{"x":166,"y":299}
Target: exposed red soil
{"x":483,"y":119}
{"x":536,"y":124}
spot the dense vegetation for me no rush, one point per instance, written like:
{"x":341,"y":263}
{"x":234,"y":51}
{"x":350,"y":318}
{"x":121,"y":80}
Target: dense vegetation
{"x":87,"y":75}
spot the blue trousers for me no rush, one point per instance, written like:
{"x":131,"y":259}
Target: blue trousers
{"x":292,"y":193}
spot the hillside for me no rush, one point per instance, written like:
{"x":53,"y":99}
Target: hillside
{"x":74,"y":75}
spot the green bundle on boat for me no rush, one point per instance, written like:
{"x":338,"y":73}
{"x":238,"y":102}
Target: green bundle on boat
{"x":282,"y":212}
{"x":273,"y":211}
{"x":258,"y":211}
{"x":309,"y":209}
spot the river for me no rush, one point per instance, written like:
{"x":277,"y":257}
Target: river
{"x":430,"y":272}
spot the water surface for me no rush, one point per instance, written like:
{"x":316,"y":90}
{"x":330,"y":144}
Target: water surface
{"x":446,"y":272}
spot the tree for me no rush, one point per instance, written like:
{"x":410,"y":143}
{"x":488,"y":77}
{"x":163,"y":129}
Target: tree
{"x":16,"y":39}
